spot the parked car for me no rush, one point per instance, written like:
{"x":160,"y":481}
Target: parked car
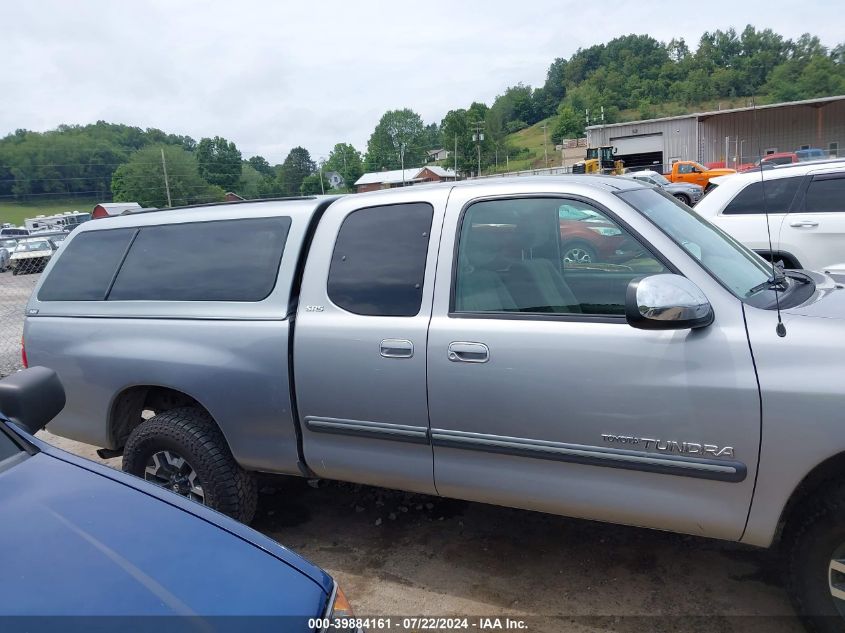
{"x":587,"y":238}
{"x":811,"y":153}
{"x":806,"y":213}
{"x":690,"y":171}
{"x":83,"y":539}
{"x":770,"y":160}
{"x":686,"y":192}
{"x":11,"y":231}
{"x":392,"y":338}
{"x":31,"y":255}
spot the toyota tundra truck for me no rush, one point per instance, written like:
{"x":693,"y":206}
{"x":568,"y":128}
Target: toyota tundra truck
{"x":436,"y":339}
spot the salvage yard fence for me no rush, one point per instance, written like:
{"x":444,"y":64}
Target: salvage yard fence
{"x":14,"y":293}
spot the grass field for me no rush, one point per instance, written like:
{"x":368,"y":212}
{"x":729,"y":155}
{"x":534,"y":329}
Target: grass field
{"x":16,"y":212}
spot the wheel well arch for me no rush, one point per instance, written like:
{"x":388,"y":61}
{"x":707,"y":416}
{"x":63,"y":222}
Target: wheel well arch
{"x":826,"y":473}
{"x":789,"y":260}
{"x":129,"y":406}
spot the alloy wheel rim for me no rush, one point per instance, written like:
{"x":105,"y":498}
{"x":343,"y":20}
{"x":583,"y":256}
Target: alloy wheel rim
{"x":577,"y":256}
{"x":170,"y":470}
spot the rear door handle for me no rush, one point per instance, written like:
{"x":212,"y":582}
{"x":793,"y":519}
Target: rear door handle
{"x":463,"y":352}
{"x":397,"y":348}
{"x":804,"y":224}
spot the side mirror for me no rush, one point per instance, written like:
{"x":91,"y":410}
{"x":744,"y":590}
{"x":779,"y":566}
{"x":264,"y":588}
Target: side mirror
{"x":31,"y":398}
{"x":666,"y":302}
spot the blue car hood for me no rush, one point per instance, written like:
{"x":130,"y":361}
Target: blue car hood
{"x":78,"y":540}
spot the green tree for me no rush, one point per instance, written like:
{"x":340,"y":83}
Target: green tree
{"x":568,"y":124}
{"x":297,"y":166}
{"x":250,"y":183}
{"x":141,"y":179}
{"x":345,"y":160}
{"x":260,"y":164}
{"x":398,"y":133}
{"x":219,"y":162}
{"x":312,"y":185}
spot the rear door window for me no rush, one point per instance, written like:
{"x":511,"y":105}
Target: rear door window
{"x":87,"y":266}
{"x":224,"y":260}
{"x":378,"y":263}
{"x":825,"y":194}
{"x":779,"y":195}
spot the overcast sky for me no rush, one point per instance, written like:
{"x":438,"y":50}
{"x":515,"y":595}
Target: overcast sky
{"x":271,"y":75}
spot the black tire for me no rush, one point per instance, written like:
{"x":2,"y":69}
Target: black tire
{"x":192,"y":434}
{"x":15,"y":270}
{"x":588,"y":253}
{"x":813,"y":540}
{"x":683,"y":198}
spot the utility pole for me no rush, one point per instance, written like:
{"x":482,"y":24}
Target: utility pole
{"x":477,"y":138}
{"x":545,"y":149}
{"x":322,"y":188}
{"x":166,"y":182}
{"x":456,"y":156}
{"x":402,"y":161}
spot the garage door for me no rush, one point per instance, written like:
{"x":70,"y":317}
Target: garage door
{"x":641,"y":144}
{"x":645,"y":150}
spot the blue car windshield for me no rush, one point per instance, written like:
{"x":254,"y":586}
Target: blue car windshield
{"x":736,"y":267}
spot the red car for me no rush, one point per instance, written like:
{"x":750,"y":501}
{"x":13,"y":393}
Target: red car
{"x":778,"y":158}
{"x":587,"y":237}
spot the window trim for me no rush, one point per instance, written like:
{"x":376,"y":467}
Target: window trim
{"x":425,"y":269}
{"x":544,"y":316}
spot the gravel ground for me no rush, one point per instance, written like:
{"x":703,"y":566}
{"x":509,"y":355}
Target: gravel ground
{"x":397,"y":553}
{"x":405,"y":554}
{"x":14,"y":293}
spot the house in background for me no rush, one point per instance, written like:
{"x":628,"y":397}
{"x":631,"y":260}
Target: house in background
{"x":437,"y":154}
{"x":402,"y":178}
{"x":433,"y":173}
{"x":231,"y":196}
{"x":335,"y":179}
{"x":108,"y":209}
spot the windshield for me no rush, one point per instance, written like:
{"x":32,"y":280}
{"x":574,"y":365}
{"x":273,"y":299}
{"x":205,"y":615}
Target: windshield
{"x":737,"y":268}
{"x":8,"y":243}
{"x":40,"y":245}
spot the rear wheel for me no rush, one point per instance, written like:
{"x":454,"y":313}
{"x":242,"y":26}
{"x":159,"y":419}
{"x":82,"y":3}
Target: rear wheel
{"x":184,"y":451}
{"x":816,"y":544}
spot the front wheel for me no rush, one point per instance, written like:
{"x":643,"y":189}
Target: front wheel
{"x":184,"y":451}
{"x":683,"y":198}
{"x":579,"y":253}
{"x":817,"y":563}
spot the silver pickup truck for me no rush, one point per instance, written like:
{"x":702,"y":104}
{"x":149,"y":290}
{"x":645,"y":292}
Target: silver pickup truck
{"x":447,"y":340}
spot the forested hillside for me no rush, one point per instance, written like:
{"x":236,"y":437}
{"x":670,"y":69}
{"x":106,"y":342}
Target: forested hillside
{"x":634,"y":76}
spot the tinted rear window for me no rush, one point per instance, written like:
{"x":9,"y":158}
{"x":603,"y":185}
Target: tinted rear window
{"x":826,"y":194}
{"x":86,"y":267}
{"x":779,"y":194}
{"x":225,"y":260}
{"x":378,"y":263}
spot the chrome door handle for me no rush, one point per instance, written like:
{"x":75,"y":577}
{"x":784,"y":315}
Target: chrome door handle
{"x":463,"y":352}
{"x":396,"y":348}
{"x":805,"y":224}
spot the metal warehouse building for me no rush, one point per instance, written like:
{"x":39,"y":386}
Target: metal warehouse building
{"x":731,"y":137}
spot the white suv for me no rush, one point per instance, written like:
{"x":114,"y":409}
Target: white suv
{"x":806,"y":208}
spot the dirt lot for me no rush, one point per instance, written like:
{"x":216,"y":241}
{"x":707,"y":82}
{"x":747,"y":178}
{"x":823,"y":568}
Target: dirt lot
{"x":403,"y":554}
